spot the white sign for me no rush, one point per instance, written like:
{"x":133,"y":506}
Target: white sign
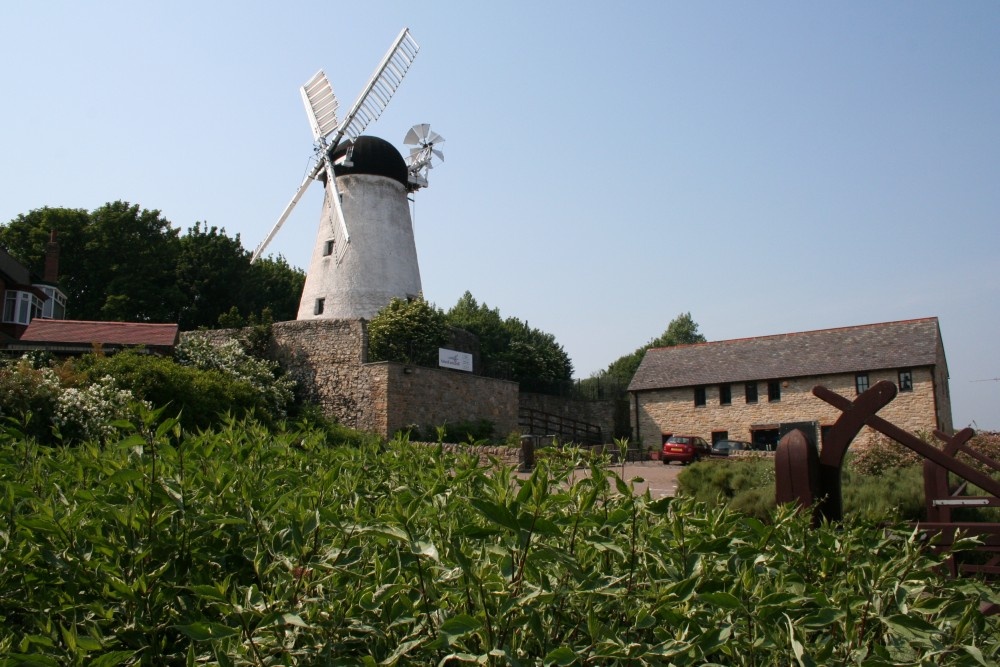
{"x":460,"y":361}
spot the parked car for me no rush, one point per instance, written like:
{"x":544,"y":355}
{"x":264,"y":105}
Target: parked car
{"x":723,"y":447}
{"x":684,"y":448}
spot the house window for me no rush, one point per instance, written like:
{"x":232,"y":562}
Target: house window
{"x":906,"y":380}
{"x":699,"y":396}
{"x":861,"y":382}
{"x":773,"y":391}
{"x":20,"y":307}
{"x":318,"y":309}
{"x":328,"y":248}
{"x":719,"y":435}
{"x":54,"y":307}
{"x":725,"y":394}
{"x":750,"y":390}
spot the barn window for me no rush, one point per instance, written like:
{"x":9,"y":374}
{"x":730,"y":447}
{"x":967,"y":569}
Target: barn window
{"x":750,"y":390}
{"x":906,"y":380}
{"x":773,"y":391}
{"x":725,"y":394}
{"x":699,"y":396}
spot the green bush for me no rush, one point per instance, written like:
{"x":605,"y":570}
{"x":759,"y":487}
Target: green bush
{"x":200,"y":398}
{"x":250,"y":546}
{"x":747,"y":485}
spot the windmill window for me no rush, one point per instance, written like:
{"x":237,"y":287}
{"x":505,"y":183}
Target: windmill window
{"x":906,"y":380}
{"x":861,"y":382}
{"x":328,"y":248}
{"x":318,"y":309}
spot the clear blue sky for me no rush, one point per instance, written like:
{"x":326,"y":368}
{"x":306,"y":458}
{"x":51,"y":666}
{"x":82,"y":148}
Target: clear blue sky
{"x":768,"y":167}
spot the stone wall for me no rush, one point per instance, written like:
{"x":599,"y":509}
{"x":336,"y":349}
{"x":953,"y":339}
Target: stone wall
{"x":673,"y":410}
{"x":327,"y":359}
{"x":434,"y":396}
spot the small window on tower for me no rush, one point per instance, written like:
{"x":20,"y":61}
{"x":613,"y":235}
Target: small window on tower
{"x":328,"y":248}
{"x":318,"y":310}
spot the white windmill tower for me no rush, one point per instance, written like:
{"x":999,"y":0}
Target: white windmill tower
{"x":364,"y":255}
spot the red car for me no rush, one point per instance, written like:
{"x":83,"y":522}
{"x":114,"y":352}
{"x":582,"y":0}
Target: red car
{"x":684,"y":448}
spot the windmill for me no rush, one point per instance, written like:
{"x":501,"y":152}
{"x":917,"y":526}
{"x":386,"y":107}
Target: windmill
{"x":364,"y":253}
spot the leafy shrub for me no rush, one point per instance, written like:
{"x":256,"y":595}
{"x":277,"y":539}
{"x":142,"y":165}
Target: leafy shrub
{"x":746,"y":485}
{"x":231,"y":359}
{"x":249,"y":546}
{"x":200,"y":398}
{"x":463,"y":431}
{"x":408,"y":331}
{"x":29,"y":395}
{"x":88,"y":414}
{"x":897,"y":493}
{"x":882,"y":454}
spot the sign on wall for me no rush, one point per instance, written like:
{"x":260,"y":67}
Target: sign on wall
{"x":460,"y":361}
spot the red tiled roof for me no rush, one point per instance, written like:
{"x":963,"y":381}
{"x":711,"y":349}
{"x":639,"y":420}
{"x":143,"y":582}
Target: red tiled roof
{"x":104,"y":333}
{"x":905,"y":344}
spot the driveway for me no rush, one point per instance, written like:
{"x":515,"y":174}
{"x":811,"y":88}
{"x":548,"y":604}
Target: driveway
{"x":661,"y":480}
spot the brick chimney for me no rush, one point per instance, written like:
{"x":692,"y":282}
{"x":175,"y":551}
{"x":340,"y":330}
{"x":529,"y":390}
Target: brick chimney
{"x":51,"y":274}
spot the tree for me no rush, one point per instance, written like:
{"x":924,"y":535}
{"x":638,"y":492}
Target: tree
{"x":409,"y":331}
{"x":274,"y":284}
{"x":510,"y":349}
{"x":212,"y":271}
{"x":26,"y":235}
{"x":488,"y":326}
{"x":120,"y":262}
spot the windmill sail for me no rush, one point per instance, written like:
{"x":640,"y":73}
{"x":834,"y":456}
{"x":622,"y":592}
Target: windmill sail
{"x":383,"y":83}
{"x":321,"y":105}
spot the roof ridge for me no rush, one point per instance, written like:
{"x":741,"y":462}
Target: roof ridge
{"x":798,"y":333}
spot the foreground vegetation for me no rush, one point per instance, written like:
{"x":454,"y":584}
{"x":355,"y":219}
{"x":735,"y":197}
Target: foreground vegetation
{"x":882,"y":482}
{"x":244,"y":545}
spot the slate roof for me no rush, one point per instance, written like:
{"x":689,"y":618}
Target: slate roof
{"x":80,"y":332}
{"x":904,"y":344}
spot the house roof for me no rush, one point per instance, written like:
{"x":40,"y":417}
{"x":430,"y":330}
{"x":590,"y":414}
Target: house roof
{"x":79,"y":332}
{"x":904,"y":344}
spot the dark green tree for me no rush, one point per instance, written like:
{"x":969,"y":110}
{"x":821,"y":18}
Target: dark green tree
{"x":510,"y":349}
{"x":407,"y":330}
{"x":534,"y":358}
{"x":130,"y":258}
{"x":26,"y":236}
{"x":272,"y":283}
{"x":488,"y":326}
{"x":120,"y":262}
{"x":212,"y":269}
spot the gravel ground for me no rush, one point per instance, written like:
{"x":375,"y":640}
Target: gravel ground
{"x":661,"y":480}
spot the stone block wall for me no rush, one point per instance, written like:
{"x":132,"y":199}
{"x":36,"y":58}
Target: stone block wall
{"x":673,"y":410}
{"x":433,"y":396}
{"x":328,"y":360}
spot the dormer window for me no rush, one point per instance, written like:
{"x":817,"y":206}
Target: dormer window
{"x":20,"y":307}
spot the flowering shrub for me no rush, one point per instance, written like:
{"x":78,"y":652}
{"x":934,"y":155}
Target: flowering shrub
{"x":231,"y":359}
{"x":41,"y":399}
{"x":87,"y":414}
